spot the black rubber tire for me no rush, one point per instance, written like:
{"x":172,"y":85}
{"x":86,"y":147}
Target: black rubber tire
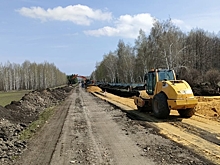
{"x":187,"y":113}
{"x":137,"y":93}
{"x":160,"y":106}
{"x":141,"y":108}
{"x":144,"y":109}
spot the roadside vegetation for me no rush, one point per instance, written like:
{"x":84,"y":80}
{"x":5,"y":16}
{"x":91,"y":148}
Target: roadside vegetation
{"x":36,"y":125}
{"x":7,"y":97}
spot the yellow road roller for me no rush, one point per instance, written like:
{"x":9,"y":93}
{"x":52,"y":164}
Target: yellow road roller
{"x":163,"y":93}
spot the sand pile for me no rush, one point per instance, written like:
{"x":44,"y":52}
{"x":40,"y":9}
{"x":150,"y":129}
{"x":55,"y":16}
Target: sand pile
{"x":126,"y":101}
{"x":208,"y":106}
{"x":93,"y":89}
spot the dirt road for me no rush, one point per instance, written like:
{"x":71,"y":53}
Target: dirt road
{"x":88,"y":130}
{"x":199,"y":133}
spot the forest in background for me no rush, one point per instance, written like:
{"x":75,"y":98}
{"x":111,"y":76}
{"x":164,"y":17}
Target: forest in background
{"x":195,"y":56}
{"x":30,"y":76}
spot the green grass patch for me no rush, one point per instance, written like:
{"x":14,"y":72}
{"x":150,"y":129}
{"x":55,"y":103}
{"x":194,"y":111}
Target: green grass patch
{"x":36,"y":125}
{"x":7,"y":97}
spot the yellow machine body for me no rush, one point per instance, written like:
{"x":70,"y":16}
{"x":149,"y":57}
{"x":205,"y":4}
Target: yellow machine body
{"x":178,"y":93}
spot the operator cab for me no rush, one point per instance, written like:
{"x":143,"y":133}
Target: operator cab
{"x":153,"y":76}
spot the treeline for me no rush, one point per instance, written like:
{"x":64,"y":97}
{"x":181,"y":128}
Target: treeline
{"x":30,"y":76}
{"x":72,"y":79}
{"x":194,"y":55}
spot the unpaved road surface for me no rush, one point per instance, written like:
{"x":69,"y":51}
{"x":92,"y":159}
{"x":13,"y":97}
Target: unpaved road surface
{"x":87,"y":130}
{"x":199,"y":133}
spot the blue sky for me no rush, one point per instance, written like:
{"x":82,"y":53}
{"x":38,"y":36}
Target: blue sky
{"x":75,"y":34}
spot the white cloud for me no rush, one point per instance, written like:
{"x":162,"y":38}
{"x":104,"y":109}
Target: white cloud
{"x":126,"y":26}
{"x":177,"y":21}
{"x":78,"y":14}
{"x":181,"y":24}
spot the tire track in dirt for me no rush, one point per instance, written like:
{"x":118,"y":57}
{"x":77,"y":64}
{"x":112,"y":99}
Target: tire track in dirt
{"x":90,"y":136}
{"x":115,"y":147}
{"x":177,"y":133}
{"x":41,"y":146}
{"x":203,"y":123}
{"x":197,"y":142}
{"x":206,"y":135}
{"x":98,"y":152}
{"x":75,"y":145}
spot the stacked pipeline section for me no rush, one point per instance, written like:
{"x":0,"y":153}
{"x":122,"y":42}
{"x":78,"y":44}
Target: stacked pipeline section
{"x":122,"y":90}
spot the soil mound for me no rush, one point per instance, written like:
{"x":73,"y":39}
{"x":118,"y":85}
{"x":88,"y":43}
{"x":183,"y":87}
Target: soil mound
{"x":16,"y":116}
{"x":5,"y":113}
{"x":209,"y":107}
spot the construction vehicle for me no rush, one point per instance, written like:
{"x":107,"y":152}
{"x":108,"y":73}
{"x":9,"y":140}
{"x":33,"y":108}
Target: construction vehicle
{"x":84,"y":80}
{"x":163,"y":93}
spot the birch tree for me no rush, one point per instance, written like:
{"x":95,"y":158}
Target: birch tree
{"x":126,"y":62}
{"x":110,"y":62}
